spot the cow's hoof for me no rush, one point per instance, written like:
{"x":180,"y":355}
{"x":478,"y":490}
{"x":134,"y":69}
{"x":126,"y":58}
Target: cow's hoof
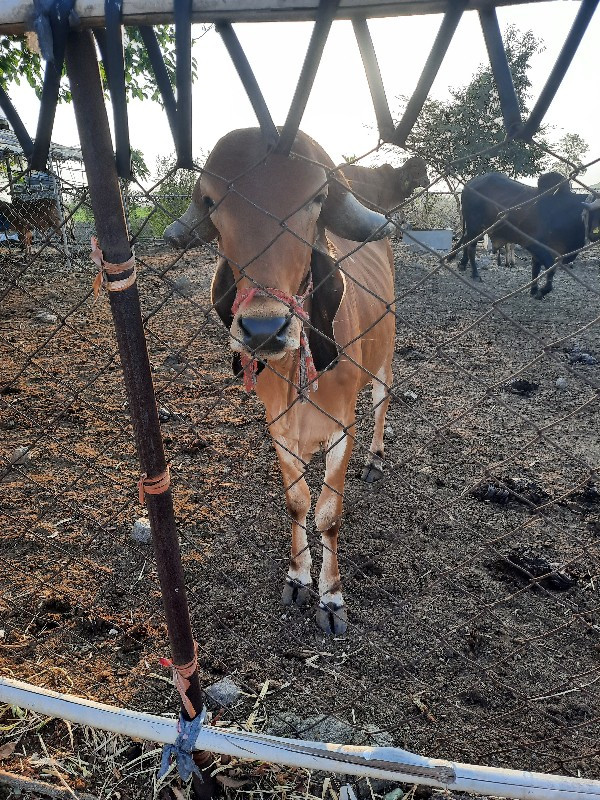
{"x":373,"y":469}
{"x":372,"y":473}
{"x":332,"y":619}
{"x":295,"y":593}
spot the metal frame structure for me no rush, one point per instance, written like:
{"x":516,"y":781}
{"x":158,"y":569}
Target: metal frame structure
{"x":57,"y":22}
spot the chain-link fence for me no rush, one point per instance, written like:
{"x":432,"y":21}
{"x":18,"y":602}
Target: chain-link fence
{"x":469,"y":558}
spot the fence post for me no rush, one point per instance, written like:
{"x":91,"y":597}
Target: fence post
{"x":107,"y":205}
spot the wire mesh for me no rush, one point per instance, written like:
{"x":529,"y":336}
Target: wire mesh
{"x":470,"y":571}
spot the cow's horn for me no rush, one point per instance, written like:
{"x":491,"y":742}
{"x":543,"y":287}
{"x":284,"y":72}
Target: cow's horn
{"x":192,"y":229}
{"x":345,"y":216}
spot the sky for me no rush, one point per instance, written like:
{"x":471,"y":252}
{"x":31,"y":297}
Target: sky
{"x":339,"y":113}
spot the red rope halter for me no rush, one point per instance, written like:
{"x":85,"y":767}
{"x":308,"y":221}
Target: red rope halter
{"x":305,"y":379}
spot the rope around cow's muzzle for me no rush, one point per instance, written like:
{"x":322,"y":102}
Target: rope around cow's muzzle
{"x":305,"y":379}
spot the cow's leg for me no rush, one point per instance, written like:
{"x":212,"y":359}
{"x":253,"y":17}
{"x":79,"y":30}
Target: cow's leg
{"x":297,"y":498}
{"x":547,"y":287}
{"x":331,"y":615}
{"x":535,"y":271}
{"x":499,"y":256}
{"x":472,"y":248}
{"x":465,"y":258}
{"x":510,"y":255}
{"x":381,"y":385}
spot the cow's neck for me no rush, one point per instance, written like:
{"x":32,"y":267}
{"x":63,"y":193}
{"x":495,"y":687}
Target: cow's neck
{"x":279,"y":373}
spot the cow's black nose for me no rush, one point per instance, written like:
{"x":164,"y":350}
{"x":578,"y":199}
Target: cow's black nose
{"x":264,"y":333}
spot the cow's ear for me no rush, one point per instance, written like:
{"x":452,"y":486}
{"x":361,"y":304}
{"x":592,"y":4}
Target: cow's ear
{"x":329,"y":287}
{"x":222,"y":292}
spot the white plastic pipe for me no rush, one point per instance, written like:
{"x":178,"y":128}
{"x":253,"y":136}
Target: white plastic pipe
{"x":388,"y":763}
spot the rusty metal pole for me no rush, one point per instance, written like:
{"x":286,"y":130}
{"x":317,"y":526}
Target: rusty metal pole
{"x":107,"y":205}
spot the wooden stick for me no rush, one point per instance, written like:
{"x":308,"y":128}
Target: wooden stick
{"x":31,"y":785}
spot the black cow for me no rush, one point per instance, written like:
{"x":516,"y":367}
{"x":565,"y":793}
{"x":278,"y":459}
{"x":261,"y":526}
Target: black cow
{"x":549,"y":221}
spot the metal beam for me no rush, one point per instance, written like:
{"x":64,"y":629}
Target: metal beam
{"x":385,"y":123}
{"x":509,"y":102}
{"x":107,"y":205}
{"x":244,"y":70}
{"x":582,"y":20}
{"x":430,"y":70}
{"x":325,"y":16}
{"x":162,"y":76}
{"x":116,"y":84}
{"x":183,"y":80}
{"x":58,"y":22}
{"x":16,"y":123}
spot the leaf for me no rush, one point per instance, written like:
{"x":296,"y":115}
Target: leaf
{"x":232,"y":783}
{"x":7,"y":750}
{"x":37,"y":761}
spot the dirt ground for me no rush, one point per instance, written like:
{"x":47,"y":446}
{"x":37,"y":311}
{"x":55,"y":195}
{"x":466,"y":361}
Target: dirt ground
{"x":470,"y":573}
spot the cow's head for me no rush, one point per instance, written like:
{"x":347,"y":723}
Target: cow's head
{"x":413,"y":173}
{"x":591,"y":220}
{"x":553,"y":183}
{"x":269,"y":213}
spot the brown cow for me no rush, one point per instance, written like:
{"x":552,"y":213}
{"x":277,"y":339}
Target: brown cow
{"x":294,"y":287}
{"x":25,"y":216}
{"x":385,"y":188}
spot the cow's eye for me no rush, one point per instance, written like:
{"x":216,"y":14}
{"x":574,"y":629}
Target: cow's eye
{"x":320,"y":199}
{"x":208,"y":201}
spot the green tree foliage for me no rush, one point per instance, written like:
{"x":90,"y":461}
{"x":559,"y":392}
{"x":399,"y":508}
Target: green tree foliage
{"x":151,"y":212}
{"x":573,"y":148}
{"x":138,"y":165}
{"x":465,"y":135}
{"x":18,"y":62}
